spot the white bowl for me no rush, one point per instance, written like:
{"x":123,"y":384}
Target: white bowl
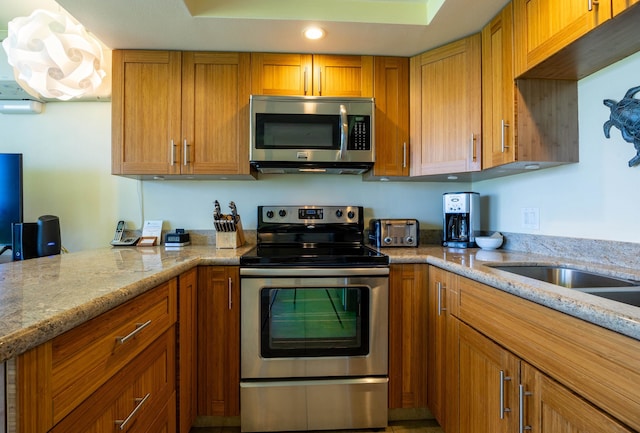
{"x":489,"y":242}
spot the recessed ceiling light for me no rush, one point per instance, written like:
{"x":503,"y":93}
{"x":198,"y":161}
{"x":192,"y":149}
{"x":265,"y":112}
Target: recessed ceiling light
{"x":313,"y":33}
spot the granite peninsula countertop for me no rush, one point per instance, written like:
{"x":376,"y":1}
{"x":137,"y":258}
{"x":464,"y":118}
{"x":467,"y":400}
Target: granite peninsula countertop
{"x":42,"y":298}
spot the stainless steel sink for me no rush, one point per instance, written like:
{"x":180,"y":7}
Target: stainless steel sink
{"x":604,"y":286}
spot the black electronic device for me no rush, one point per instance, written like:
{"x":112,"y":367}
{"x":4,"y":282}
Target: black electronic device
{"x":24,"y":243}
{"x":177,"y":238}
{"x":48,"y":235}
{"x":10,"y":197}
{"x":119,"y":238}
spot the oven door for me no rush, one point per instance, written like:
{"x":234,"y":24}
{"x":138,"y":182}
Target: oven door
{"x":314,"y":322}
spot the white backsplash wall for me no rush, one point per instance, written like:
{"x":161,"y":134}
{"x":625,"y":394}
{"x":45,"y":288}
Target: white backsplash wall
{"x":598,"y":198}
{"x":67,"y":172}
{"x":67,"y":166}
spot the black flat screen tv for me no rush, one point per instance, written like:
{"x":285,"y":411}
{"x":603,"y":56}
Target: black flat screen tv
{"x":10,"y":196}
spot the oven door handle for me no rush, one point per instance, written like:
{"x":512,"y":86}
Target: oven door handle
{"x":313,"y":272}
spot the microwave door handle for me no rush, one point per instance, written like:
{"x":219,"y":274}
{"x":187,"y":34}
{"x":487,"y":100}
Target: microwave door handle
{"x":344,"y":131}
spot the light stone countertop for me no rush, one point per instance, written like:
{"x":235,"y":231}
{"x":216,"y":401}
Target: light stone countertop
{"x":42,"y":298}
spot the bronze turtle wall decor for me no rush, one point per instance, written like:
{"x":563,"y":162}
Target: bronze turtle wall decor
{"x":625,"y":115}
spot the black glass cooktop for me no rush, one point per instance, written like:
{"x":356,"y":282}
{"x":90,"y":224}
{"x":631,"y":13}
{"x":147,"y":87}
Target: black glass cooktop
{"x":332,"y":255}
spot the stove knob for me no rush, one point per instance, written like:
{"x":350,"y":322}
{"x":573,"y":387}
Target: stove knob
{"x":410,"y":240}
{"x":387,"y":240}
{"x":339,"y":213}
{"x":269,"y":214}
{"x":282,"y":213}
{"x":351,"y":214}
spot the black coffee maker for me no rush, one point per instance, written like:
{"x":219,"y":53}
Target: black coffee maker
{"x":461,"y":219}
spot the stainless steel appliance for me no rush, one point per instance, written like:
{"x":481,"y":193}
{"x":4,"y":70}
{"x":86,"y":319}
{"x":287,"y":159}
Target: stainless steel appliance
{"x":394,"y":232}
{"x":314,"y":328}
{"x":311,"y":133}
{"x":461,"y":219}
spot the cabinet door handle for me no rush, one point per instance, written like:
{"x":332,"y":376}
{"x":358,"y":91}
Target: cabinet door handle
{"x":122,"y":423}
{"x":139,"y":327}
{"x":306,"y":80}
{"x":319,"y":81}
{"x":503,"y":125}
{"x":230,"y":289}
{"x":404,"y":155}
{"x":503,"y":379}
{"x":186,"y":153}
{"x":440,"y":307}
{"x":592,"y":3}
{"x":521,"y":395}
{"x":172,"y":153}
{"x":473,"y":147}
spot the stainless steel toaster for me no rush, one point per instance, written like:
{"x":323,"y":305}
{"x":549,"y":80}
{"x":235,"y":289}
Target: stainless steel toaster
{"x":394,"y":232}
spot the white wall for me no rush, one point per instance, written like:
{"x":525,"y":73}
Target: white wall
{"x":67,"y":152}
{"x":599,"y":198}
{"x":67,"y":166}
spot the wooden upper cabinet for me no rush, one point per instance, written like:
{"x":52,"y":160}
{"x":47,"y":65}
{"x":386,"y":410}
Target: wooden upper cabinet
{"x":215,"y":113}
{"x":621,"y":5}
{"x":281,"y":74}
{"x":180,"y":113}
{"x":544,"y":27}
{"x":498,"y":91}
{"x":445,"y":109}
{"x":391,"y":90}
{"x":145,"y":105}
{"x":345,"y":76}
{"x":317,"y":75}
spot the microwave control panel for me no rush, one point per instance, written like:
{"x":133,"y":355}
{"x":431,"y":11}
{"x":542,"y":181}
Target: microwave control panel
{"x":359,"y":133}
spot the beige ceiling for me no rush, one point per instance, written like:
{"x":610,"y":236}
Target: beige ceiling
{"x":378,"y":27}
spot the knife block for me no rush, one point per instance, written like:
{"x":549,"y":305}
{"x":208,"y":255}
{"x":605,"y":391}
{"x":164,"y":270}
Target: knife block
{"x":233,"y":239}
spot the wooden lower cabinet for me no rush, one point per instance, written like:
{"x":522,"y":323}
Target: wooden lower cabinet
{"x":442,"y":349}
{"x":524,"y":367}
{"x":134,"y":398}
{"x":93,"y":373}
{"x":187,"y":343}
{"x":407,"y":336}
{"x":495,"y":386}
{"x":218,"y":341}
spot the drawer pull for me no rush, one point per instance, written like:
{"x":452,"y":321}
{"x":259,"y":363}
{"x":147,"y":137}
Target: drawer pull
{"x":122,"y":423}
{"x":139,"y":327}
{"x":503,"y":379}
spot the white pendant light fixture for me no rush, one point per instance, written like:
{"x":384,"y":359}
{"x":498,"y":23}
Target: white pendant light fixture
{"x":53,"y":57}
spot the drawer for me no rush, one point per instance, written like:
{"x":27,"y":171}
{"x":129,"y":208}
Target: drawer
{"x":137,"y":397}
{"x":87,"y":356}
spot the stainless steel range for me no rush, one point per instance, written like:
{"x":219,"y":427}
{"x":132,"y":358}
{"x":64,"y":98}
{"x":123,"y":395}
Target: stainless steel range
{"x":314,"y":329}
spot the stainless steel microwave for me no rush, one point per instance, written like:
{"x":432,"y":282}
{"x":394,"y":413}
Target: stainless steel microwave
{"x":291,"y":134}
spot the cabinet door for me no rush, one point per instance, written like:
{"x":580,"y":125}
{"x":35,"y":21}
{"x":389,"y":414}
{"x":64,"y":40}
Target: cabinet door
{"x":498,"y":87}
{"x":437,"y":363}
{"x":407,"y":336}
{"x":346,"y":76}
{"x":218,"y":341}
{"x":488,"y":384}
{"x":544,"y":27}
{"x":145,"y":104}
{"x":186,"y":332}
{"x":281,"y":74}
{"x":621,"y":5}
{"x":551,"y":408}
{"x":445,"y":105}
{"x":215,"y":113}
{"x":391,"y":90}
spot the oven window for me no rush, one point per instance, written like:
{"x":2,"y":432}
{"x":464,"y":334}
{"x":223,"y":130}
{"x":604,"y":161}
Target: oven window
{"x":314,"y":321}
{"x":297,"y":131}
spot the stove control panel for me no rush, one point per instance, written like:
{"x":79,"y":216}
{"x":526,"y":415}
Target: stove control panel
{"x":309,"y":214}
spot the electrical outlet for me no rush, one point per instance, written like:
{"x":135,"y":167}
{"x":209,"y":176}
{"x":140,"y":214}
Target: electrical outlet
{"x":531,"y":218}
